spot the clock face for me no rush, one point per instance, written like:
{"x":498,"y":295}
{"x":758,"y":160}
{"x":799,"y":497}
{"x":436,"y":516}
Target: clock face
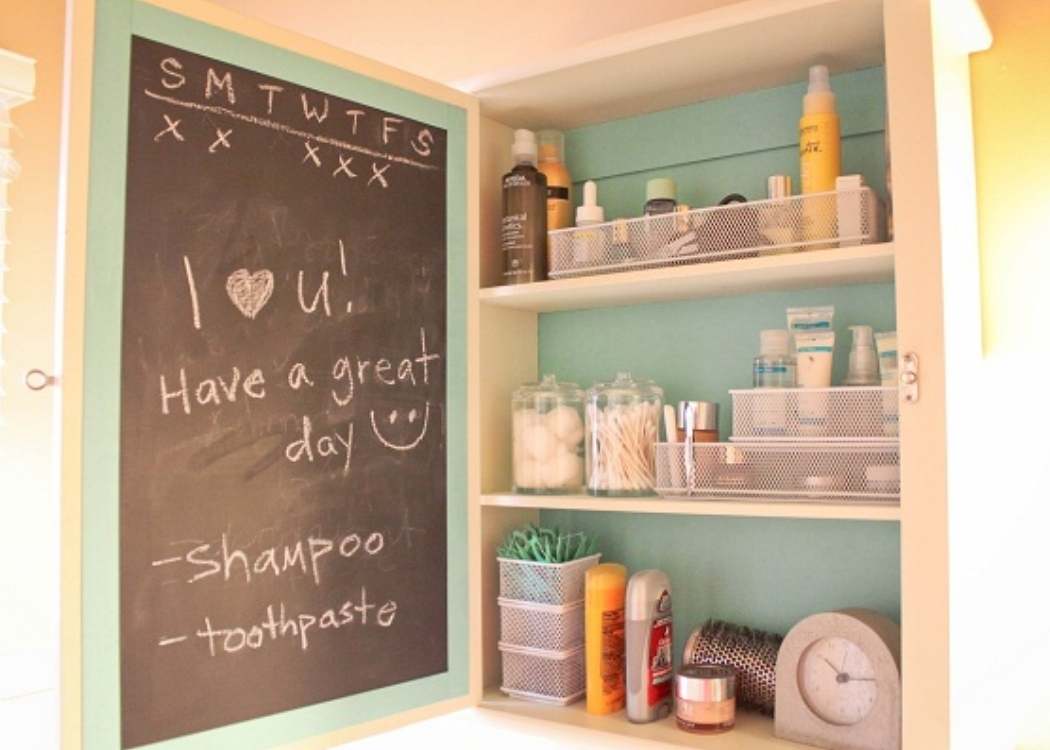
{"x":837,"y":681}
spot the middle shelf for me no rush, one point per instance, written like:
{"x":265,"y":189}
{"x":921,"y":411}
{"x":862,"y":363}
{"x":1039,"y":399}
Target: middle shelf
{"x":698,"y":507}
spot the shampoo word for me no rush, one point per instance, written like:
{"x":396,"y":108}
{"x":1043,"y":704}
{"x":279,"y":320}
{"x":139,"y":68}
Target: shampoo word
{"x":222,"y":559}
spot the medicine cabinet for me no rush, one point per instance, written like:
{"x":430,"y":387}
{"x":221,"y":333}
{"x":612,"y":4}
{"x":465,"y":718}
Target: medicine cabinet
{"x":713,"y":99}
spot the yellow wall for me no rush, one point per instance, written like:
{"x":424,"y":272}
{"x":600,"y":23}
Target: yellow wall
{"x":1011,"y":95}
{"x":1000,"y":608}
{"x":29,"y":545}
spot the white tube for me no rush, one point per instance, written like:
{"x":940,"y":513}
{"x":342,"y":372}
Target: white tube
{"x":815,"y":354}
{"x":886,"y":344}
{"x":815,"y":350}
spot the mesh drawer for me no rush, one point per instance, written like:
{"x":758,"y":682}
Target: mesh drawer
{"x":546,"y":676}
{"x":861,"y":414}
{"x":818,"y":471}
{"x":545,"y":626}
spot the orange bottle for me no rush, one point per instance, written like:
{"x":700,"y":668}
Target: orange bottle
{"x":559,"y":183}
{"x":605,"y":589}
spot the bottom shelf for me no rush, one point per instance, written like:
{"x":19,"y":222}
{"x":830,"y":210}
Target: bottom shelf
{"x":752,"y":732}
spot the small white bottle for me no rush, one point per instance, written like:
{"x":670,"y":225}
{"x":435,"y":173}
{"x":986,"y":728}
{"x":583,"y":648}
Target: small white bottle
{"x":774,"y":367}
{"x":649,"y":648}
{"x":587,"y":243}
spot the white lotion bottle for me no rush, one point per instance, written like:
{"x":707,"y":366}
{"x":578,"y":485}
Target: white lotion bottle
{"x":587,"y":243}
{"x":649,"y":649}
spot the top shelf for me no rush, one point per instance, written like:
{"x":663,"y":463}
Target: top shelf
{"x":861,"y":264}
{"x":687,"y":60}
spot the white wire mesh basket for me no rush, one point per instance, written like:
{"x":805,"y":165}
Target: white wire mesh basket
{"x":859,"y":414}
{"x":544,"y":583}
{"x":544,"y":626}
{"x":541,"y":675}
{"x":737,"y":230}
{"x":844,"y":472}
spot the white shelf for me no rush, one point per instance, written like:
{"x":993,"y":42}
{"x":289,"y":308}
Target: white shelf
{"x":861,"y":264}
{"x":688,"y":60}
{"x":752,"y":732}
{"x":855,"y":511}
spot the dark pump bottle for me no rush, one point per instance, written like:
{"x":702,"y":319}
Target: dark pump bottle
{"x":524,"y":224}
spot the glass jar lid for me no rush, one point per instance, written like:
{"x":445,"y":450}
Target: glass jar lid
{"x":626,"y":386}
{"x":549,"y":387}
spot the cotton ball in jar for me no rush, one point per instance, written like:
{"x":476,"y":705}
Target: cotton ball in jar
{"x":564,"y":471}
{"x":527,"y":474}
{"x":540,"y":444}
{"x":564,"y":423}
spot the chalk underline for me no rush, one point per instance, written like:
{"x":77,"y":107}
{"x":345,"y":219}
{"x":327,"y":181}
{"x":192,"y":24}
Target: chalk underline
{"x":281,"y":127}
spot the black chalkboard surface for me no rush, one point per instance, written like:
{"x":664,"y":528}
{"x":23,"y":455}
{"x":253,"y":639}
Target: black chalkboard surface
{"x":283,"y":447}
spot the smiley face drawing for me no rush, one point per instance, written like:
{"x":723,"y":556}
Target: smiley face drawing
{"x":411,"y":418}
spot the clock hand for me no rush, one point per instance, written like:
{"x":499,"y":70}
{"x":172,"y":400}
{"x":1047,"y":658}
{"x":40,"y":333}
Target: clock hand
{"x":826,"y":659}
{"x":861,"y":679}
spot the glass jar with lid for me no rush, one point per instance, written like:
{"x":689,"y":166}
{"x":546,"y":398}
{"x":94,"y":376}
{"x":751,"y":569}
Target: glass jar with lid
{"x":623,"y":423}
{"x":547,"y":446}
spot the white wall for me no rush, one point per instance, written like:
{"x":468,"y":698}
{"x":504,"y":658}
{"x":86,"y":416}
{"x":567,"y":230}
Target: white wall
{"x":29,"y":543}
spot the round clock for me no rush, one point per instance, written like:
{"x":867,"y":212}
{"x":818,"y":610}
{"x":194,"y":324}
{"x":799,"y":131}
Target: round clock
{"x":838,"y":682}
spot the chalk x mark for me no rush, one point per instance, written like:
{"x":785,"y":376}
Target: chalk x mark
{"x":273,"y":125}
{"x":173,"y":128}
{"x":344,"y":167}
{"x":221,"y":139}
{"x":311,"y":153}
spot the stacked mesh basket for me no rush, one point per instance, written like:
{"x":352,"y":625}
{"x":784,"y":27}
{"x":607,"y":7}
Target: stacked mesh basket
{"x":815,"y":444}
{"x":703,"y":235}
{"x":541,"y":628}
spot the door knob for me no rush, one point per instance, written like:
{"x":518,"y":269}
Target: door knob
{"x":37,"y":380}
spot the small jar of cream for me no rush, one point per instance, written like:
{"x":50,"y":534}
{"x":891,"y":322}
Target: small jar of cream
{"x":705,"y":698}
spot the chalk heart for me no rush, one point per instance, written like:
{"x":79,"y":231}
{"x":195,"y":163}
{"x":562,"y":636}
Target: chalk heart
{"x":248,"y":291}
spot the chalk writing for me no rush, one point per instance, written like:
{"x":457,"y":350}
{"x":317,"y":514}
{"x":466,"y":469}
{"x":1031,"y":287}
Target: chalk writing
{"x":283,"y":458}
{"x":277,"y":625}
{"x":235,"y":562}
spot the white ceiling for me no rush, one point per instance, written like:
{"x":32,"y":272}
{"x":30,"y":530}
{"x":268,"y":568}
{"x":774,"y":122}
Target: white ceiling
{"x":468,"y":44}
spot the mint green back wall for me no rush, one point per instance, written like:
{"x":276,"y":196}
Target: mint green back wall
{"x":723,"y":146}
{"x":766,"y":573}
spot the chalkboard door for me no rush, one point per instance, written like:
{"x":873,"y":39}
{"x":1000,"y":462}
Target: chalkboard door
{"x":274,"y":392}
